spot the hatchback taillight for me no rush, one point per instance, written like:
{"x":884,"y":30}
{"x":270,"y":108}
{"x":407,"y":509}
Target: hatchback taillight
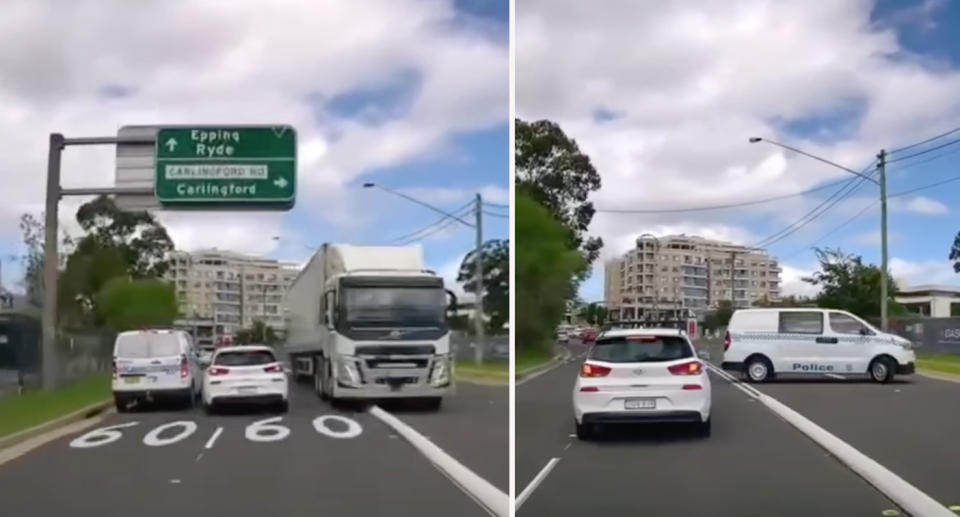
{"x":114,"y":367}
{"x":593,"y":370}
{"x":690,"y":368}
{"x":216,"y":370}
{"x":726,"y":341}
{"x":694,"y":387}
{"x":184,"y":367}
{"x":274,"y":368}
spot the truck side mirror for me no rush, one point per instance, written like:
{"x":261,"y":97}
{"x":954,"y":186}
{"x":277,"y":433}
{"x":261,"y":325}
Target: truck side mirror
{"x":452,"y":307}
{"x":329,"y":314}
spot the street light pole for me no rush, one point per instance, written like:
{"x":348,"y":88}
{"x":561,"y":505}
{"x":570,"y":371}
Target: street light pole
{"x":882,"y":183}
{"x":478,"y":272}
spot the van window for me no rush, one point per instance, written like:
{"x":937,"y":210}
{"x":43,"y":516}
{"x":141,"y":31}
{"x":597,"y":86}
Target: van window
{"x":845,"y":324}
{"x":801,"y":322}
{"x":629,"y":349}
{"x":134,"y":346}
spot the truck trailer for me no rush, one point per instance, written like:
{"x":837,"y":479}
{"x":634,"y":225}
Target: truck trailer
{"x":370,"y":322}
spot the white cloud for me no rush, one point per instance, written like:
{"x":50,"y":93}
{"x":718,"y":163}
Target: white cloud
{"x":692,"y":80}
{"x":449,"y":271}
{"x":791,"y":283}
{"x":909,"y":273}
{"x":919,"y":205}
{"x":94,"y":66}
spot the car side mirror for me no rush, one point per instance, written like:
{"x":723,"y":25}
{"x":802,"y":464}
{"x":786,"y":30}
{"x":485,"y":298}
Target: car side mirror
{"x":864,"y":331}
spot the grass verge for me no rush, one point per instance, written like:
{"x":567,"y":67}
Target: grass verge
{"x":528,"y":359}
{"x":942,"y":363}
{"x":34,"y":407}
{"x":489,"y":371}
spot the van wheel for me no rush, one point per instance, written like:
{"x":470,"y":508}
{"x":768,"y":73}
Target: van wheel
{"x":881,"y":370}
{"x":758,"y":369}
{"x":121,"y":402}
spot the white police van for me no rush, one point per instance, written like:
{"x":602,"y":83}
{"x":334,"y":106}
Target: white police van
{"x":761,"y":343}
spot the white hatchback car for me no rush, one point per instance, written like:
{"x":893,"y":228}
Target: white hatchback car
{"x":245,"y":374}
{"x":639,"y":376}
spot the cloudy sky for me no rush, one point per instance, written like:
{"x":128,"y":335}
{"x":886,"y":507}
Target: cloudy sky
{"x":412,"y":94}
{"x":663,"y":101}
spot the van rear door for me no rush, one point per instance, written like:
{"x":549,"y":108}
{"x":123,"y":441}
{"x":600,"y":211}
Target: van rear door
{"x":151,"y":360}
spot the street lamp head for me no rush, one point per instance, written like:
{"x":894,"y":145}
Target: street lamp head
{"x":369,"y":185}
{"x":755,"y":139}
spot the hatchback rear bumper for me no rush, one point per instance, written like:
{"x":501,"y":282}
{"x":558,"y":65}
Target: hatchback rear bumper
{"x":636,"y":417}
{"x":265,"y":399}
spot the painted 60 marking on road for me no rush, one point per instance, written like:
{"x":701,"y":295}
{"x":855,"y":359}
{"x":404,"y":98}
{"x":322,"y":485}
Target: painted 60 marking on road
{"x":267,"y":430}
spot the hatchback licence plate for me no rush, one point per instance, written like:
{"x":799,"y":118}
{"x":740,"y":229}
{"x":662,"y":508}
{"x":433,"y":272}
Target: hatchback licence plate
{"x":246,"y":390}
{"x":640,"y":403}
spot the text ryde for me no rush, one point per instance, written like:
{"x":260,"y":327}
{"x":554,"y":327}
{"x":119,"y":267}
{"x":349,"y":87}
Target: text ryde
{"x":214,"y":142}
{"x":812,"y":367}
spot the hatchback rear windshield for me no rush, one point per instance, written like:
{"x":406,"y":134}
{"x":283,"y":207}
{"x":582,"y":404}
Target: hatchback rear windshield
{"x":245,"y":358}
{"x":138,"y":346}
{"x":630,"y":349}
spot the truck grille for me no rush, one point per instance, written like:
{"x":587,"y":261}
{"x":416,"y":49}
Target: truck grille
{"x":395,"y":350}
{"x":394,"y":362}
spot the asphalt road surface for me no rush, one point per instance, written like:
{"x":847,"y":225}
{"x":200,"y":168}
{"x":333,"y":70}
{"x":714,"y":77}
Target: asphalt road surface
{"x":754,"y":464}
{"x":353,"y":465}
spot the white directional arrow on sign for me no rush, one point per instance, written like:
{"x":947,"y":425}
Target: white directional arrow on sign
{"x":280,"y":182}
{"x":171,"y":144}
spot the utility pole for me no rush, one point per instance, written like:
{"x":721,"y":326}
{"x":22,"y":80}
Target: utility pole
{"x":478,"y":278}
{"x":883,"y":239}
{"x":50,"y":265}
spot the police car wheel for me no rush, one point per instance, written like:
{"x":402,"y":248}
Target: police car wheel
{"x":758,"y":370}
{"x":881,"y":370}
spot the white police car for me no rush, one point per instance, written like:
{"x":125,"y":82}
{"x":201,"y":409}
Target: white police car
{"x":761,"y":343}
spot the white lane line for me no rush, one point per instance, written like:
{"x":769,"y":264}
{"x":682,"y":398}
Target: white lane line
{"x":835,"y":376}
{"x":568,"y":358}
{"x":485,"y":494}
{"x":906,"y":496}
{"x":536,"y":482}
{"x":213,"y":439}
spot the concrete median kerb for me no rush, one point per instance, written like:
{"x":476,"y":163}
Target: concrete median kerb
{"x":50,"y":425}
{"x":562,"y":355}
{"x":940,"y":376}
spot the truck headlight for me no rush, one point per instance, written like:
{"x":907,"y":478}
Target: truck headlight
{"x":440,"y":375}
{"x":347,"y":372}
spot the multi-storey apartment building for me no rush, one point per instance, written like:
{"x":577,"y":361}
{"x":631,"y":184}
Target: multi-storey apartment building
{"x":227,"y":291}
{"x":676,"y":275}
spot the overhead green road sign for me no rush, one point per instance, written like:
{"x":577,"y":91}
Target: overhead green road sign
{"x":228,"y":167}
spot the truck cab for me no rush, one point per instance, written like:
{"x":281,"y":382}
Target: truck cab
{"x":382,"y":331}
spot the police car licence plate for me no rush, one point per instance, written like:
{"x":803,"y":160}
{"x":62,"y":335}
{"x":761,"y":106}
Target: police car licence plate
{"x":640,"y":403}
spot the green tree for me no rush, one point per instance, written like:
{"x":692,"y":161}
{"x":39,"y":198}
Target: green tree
{"x":720,"y":317}
{"x":955,"y":253}
{"x":496,"y":280}
{"x":594,"y":313}
{"x":551,"y":169}
{"x":143,"y":242}
{"x":258,"y":334}
{"x":546,"y":268}
{"x":848,"y":284}
{"x":125,"y":304}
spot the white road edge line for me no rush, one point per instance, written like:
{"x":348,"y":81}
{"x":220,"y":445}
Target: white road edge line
{"x":487,"y":495}
{"x":569,"y":357}
{"x":906,"y":496}
{"x":535,"y":482}
{"x":213,"y":439}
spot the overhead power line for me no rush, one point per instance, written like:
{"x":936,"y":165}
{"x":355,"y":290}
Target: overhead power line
{"x":443,"y":226}
{"x":501,"y":216}
{"x":831,"y":232}
{"x":460,"y":212}
{"x":927,"y":160}
{"x":925,"y":151}
{"x":928,"y":140}
{"x":851,"y":186}
{"x":498,"y":205}
{"x":719,"y":207}
{"x":931,"y":185}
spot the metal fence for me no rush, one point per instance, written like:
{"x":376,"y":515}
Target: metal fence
{"x":79,"y":355}
{"x":496,"y":348}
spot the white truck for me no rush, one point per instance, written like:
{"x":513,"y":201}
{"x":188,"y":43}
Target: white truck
{"x":370,"y":322}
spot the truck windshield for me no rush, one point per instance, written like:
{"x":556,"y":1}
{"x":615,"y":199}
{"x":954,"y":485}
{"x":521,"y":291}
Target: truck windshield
{"x":394,"y":306}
